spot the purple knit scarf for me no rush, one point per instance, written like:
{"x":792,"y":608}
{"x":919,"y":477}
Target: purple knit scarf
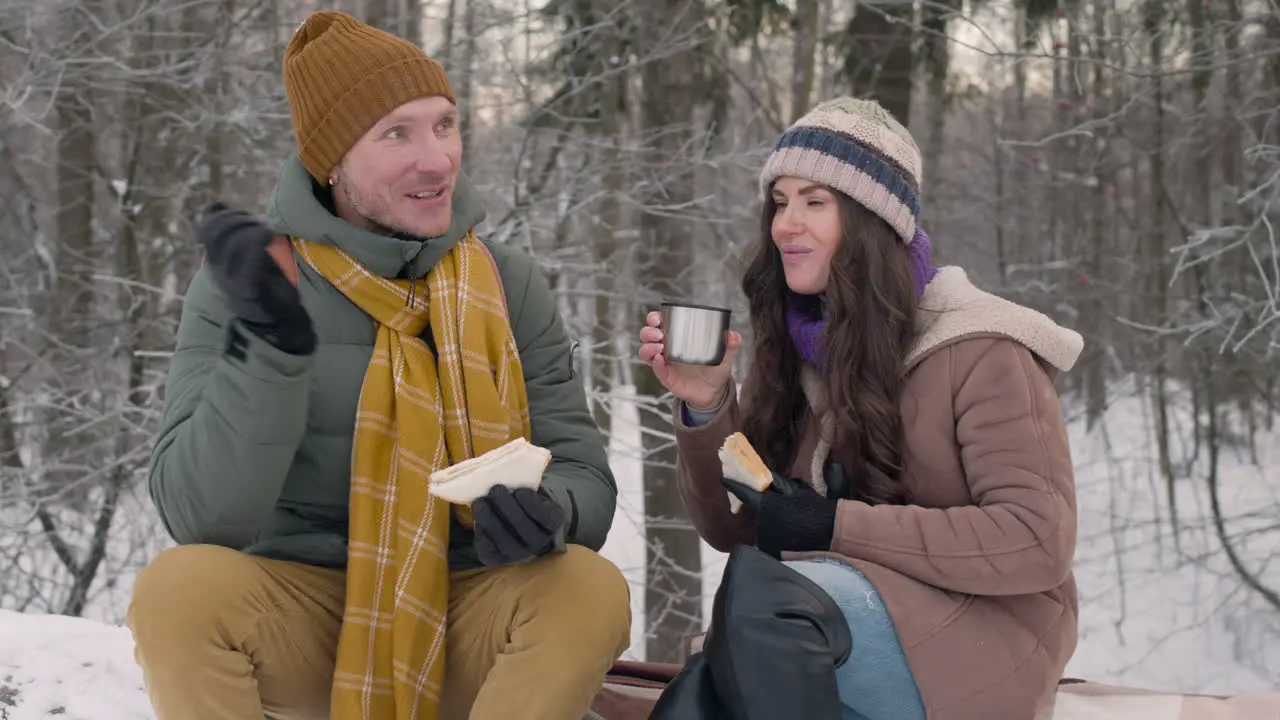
{"x":804,"y":312}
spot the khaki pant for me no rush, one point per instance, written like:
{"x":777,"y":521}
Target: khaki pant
{"x":221,"y":635}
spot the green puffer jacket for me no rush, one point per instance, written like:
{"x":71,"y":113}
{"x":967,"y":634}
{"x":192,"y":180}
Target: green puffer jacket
{"x":254,"y":451}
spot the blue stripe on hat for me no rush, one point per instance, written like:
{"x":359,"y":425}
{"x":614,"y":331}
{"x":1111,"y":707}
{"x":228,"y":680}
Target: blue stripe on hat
{"x":851,"y":153}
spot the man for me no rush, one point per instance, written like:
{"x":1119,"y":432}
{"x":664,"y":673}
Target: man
{"x":325,"y":365}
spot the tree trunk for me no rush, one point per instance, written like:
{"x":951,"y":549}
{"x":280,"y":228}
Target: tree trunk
{"x":1155,"y":26}
{"x":879,"y":60}
{"x":465,"y":86}
{"x":672,"y":92}
{"x":1094,"y":310}
{"x":608,"y":224}
{"x":803,"y":56}
{"x":937,"y":66}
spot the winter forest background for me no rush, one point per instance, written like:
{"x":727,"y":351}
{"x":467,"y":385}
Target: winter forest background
{"x":1112,"y":163}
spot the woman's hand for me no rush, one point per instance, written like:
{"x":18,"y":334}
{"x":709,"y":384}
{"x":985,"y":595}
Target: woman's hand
{"x":700,"y":386}
{"x":790,"y":515}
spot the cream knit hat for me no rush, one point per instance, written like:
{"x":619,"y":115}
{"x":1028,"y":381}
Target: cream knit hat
{"x":856,"y":147}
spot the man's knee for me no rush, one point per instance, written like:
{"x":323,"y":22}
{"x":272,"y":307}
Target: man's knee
{"x":183,"y":590}
{"x":593,"y":594}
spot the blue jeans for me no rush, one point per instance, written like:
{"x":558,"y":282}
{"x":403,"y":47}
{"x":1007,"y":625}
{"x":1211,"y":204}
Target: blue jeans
{"x":875,"y":683}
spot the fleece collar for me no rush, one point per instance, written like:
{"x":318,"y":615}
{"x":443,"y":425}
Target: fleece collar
{"x":953,"y":307}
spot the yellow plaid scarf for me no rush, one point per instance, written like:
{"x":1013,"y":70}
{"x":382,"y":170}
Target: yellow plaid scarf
{"x":416,"y":415}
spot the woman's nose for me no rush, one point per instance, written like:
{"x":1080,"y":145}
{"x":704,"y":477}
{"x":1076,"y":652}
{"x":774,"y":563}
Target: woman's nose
{"x":784,"y":222}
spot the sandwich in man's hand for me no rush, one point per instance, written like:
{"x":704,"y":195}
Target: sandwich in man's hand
{"x":518,"y":464}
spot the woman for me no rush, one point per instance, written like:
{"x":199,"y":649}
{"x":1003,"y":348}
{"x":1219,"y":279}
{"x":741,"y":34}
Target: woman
{"x":923,"y":501}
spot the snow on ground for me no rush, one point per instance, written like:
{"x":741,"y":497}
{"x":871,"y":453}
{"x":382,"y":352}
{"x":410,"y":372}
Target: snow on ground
{"x":53,"y":666}
{"x":1150,"y":616}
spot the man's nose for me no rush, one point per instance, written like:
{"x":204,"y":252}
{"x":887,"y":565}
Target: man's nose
{"x":432,"y":157}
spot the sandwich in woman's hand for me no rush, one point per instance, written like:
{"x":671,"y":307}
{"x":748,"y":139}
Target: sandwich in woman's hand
{"x":518,"y":464}
{"x":739,"y":461}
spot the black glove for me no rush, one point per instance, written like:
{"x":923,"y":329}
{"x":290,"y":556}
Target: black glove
{"x":257,"y":291}
{"x":515,"y":526}
{"x":790,"y":515}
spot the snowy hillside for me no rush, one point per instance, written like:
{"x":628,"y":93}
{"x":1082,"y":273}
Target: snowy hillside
{"x":1150,"y":616}
{"x":1153,"y":616}
{"x":68,"y":668}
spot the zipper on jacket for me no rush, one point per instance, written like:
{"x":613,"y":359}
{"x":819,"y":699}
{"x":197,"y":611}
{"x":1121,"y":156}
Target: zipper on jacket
{"x":410,"y":300}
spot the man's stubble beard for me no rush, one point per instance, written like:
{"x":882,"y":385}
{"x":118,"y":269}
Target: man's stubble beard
{"x":372,"y":223}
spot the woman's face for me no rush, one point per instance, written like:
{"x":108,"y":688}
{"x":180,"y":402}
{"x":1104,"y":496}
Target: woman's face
{"x":806,"y":230}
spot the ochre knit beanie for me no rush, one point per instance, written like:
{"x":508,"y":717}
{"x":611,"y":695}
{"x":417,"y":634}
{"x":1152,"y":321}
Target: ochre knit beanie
{"x":858,"y":148}
{"x":341,"y":76}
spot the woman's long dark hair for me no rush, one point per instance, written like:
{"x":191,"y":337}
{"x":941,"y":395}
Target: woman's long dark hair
{"x":871,"y":304}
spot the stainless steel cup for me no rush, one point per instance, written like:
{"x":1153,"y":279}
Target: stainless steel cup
{"x":694,"y":334}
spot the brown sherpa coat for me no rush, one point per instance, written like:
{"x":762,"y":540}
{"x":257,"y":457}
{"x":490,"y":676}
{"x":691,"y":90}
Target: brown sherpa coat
{"x":976,"y":574}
